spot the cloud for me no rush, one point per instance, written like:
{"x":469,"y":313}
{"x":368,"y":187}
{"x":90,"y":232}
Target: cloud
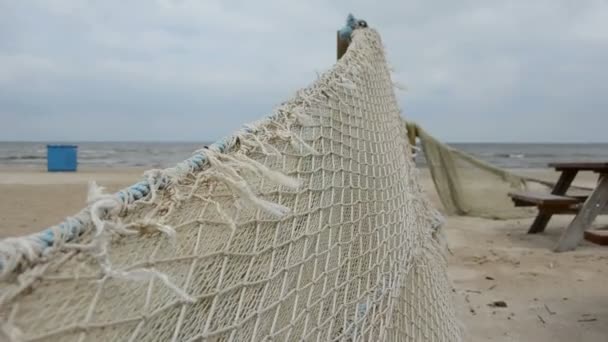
{"x":196,"y":70}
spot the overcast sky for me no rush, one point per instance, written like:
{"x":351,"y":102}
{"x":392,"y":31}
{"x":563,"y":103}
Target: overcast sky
{"x":197,"y":70}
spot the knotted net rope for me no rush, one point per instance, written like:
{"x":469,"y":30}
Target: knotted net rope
{"x":309,"y":225}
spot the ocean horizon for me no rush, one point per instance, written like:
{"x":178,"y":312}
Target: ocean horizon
{"x":165,"y":154}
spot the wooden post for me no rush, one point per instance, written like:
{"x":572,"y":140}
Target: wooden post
{"x":562,"y":185}
{"x":594,"y":204}
{"x":342,"y":46}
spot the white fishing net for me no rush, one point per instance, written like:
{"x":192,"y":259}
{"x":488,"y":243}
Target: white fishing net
{"x":469,"y":186}
{"x":310,"y":225}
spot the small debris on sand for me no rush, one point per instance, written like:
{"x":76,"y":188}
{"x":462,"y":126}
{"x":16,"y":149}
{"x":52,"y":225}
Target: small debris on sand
{"x":498,"y":304}
{"x":587,"y":320}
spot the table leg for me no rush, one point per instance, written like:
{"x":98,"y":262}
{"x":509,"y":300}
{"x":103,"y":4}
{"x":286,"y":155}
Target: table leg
{"x":591,"y":208}
{"x":562,"y":185}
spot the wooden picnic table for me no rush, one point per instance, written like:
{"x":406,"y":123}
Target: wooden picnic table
{"x":586,"y":213}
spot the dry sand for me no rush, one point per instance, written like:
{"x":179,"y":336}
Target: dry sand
{"x":31,"y":199}
{"x":549,"y":297}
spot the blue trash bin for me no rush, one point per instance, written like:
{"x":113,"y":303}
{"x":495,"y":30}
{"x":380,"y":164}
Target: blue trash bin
{"x":61,"y":157}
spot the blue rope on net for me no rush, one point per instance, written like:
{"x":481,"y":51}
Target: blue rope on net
{"x":352,"y":23}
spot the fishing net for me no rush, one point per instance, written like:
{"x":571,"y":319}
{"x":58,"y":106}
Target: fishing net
{"x":308,"y":225}
{"x":469,"y":186}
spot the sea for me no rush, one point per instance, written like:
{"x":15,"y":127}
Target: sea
{"x":165,"y":154}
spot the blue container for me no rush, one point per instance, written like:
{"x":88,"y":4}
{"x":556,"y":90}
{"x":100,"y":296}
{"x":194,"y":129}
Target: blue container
{"x":61,"y":157}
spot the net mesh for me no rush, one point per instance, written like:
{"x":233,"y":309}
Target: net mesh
{"x":461,"y":181}
{"x":310,"y":226}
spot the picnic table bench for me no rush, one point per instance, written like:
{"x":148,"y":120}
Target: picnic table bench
{"x":586,"y":206}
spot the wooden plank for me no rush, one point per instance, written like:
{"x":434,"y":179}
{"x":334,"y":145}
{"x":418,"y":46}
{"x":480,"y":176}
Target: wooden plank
{"x":543,"y":199}
{"x":599,"y":237}
{"x":342,"y":46}
{"x":519,"y":203}
{"x":581,"y":196}
{"x":592,"y":207}
{"x":523,"y":202}
{"x":601,"y":167}
{"x":562,"y":185}
{"x":572,"y":210}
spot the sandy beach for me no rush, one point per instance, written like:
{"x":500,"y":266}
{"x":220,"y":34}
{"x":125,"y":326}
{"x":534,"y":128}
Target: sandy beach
{"x":549,"y":297}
